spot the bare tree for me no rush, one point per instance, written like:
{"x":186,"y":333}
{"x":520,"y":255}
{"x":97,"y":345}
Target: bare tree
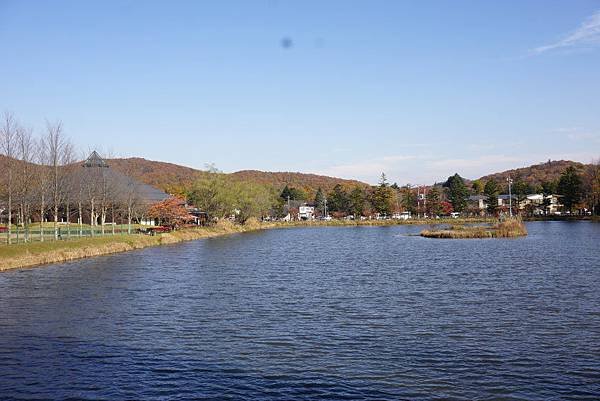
{"x":69,"y":183}
{"x":128,"y":195}
{"x":25,"y":174}
{"x":42,"y":177}
{"x":8,"y":138}
{"x":60,"y":153}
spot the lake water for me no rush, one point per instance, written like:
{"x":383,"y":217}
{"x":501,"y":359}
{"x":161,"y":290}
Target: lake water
{"x":313,"y":313}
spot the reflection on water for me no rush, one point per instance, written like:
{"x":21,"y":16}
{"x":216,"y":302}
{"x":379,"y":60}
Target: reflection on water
{"x":339,"y":313}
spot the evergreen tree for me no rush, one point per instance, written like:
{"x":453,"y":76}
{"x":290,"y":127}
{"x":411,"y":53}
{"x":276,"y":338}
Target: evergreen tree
{"x":408,"y":199}
{"x":434,"y":202}
{"x":382,"y":197}
{"x":357,"y":202}
{"x":320,"y":201}
{"x":286,"y":194}
{"x":292,"y":193}
{"x":491,"y":191}
{"x":520,"y":189}
{"x":383,"y":180}
{"x":298,"y":194}
{"x":457,"y":192}
{"x":570,"y":186}
{"x":548,"y":188}
{"x":338,"y":200}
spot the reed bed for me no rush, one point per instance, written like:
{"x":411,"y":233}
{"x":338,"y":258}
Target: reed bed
{"x":509,"y":228}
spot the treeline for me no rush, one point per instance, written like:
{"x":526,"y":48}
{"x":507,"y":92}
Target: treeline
{"x":41,"y":181}
{"x":579,"y":191}
{"x":578,"y":187}
{"x":221,"y":197}
{"x":384,"y":199}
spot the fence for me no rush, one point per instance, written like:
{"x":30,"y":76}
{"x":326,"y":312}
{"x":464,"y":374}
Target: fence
{"x":35,"y":233}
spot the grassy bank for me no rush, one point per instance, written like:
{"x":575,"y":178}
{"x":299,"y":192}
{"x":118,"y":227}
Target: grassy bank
{"x":39,"y":253}
{"x":506,"y":229}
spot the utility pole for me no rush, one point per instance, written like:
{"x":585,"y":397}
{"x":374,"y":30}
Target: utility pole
{"x":510,"y":181}
{"x":418,"y":202}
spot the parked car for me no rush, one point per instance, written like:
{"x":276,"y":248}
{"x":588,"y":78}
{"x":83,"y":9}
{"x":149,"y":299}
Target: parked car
{"x":402,"y":216}
{"x":455,"y":215}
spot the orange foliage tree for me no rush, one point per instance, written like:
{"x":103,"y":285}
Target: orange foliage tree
{"x":170,"y":211}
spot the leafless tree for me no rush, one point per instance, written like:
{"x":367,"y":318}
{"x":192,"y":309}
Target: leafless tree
{"x":80,"y":187}
{"x":60,"y":154}
{"x":42,"y":181}
{"x":25,"y":176}
{"x":8,"y":139}
{"x":128,"y":195}
{"x":69,"y":181}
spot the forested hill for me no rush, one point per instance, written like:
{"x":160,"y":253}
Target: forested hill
{"x":173,"y":178}
{"x":308,"y":182}
{"x":536,"y":174}
{"x":169,"y":177}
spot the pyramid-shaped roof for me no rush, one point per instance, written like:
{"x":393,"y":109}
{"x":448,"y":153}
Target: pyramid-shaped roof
{"x":94,"y":160}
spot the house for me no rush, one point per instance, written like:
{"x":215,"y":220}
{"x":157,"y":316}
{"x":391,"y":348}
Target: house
{"x":478,"y":201}
{"x":505,"y":200}
{"x":306,"y":212}
{"x":553,"y":205}
{"x":533,"y":203}
{"x":200,"y":218}
{"x":539,"y":204}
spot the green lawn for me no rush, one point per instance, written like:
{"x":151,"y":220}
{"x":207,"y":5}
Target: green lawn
{"x":33,"y":248}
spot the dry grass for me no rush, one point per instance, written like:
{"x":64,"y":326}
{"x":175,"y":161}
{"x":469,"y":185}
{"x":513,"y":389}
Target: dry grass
{"x":505,"y":229}
{"x":38,"y":253}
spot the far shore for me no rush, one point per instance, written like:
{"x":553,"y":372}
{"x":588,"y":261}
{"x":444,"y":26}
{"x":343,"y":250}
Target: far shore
{"x":42,"y":253}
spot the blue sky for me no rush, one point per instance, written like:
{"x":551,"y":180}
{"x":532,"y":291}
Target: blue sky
{"x":419,"y":90}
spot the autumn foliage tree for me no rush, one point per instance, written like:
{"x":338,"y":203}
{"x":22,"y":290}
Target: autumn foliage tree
{"x":170,"y":211}
{"x":446,"y":207}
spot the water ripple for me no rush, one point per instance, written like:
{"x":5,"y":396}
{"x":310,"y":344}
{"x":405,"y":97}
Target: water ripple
{"x":363,"y":313}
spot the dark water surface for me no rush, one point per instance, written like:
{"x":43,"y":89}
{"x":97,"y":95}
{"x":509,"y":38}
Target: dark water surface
{"x":313,"y":313}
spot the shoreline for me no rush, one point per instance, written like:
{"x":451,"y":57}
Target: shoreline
{"x":37,"y":254}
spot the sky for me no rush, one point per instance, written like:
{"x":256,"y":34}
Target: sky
{"x":418,"y":90}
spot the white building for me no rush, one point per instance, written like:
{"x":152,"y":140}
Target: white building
{"x":306,"y":212}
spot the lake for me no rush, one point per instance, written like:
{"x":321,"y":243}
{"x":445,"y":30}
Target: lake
{"x":313,"y":313}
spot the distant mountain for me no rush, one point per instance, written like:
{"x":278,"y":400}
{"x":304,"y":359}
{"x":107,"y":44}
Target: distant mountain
{"x":537,"y":173}
{"x":172,"y":177}
{"x":308,"y":182}
{"x":169,"y":177}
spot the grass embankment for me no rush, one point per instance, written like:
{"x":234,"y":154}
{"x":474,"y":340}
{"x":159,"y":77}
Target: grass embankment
{"x":37,"y":253}
{"x":505,"y":229}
